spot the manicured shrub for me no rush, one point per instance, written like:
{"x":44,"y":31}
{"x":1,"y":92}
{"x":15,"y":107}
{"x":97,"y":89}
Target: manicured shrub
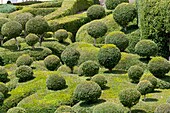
{"x":109,"y":56}
{"x":25,"y":59}
{"x":95,"y":12}
{"x":16,"y":110}
{"x":151,"y":79}
{"x":7,"y":8}
{"x":89,"y":68}
{"x":64,"y":109}
{"x":134,"y":73}
{"x":3,"y":89}
{"x":124,"y":13}
{"x":52,"y":62}
{"x":24,"y":73}
{"x":111,"y":4}
{"x":1,"y":98}
{"x":55,"y":82}
{"x":31,"y":40}
{"x":108,"y":107}
{"x":3,"y":75}
{"x":70,"y":57}
{"x":87,"y":91}
{"x":163,"y":108}
{"x":118,"y":38}
{"x":61,"y":35}
{"x":144,"y":87}
{"x":3,"y":21}
{"x":146,"y":48}
{"x":97,"y":29}
{"x":100,"y":80}
{"x":129,"y":97}
{"x":159,"y":66}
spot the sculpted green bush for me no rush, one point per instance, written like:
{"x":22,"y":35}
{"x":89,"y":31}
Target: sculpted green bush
{"x":61,"y":35}
{"x":100,"y":80}
{"x":16,"y":110}
{"x":111,"y":4}
{"x":151,"y":79}
{"x":64,"y":109}
{"x":3,"y":89}
{"x":3,"y":75}
{"x":31,"y":40}
{"x":2,"y":98}
{"x":25,"y":59}
{"x":163,"y":108}
{"x":52,"y":62}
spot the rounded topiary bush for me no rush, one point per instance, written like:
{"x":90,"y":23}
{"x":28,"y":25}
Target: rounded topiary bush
{"x":1,"y":98}
{"x":134,"y":73}
{"x":3,"y":21}
{"x":89,"y":68}
{"x":87,"y":91}
{"x":24,"y":73}
{"x":109,"y":56}
{"x":108,"y":107}
{"x":61,"y":35}
{"x":31,"y":40}
{"x":129,"y":97}
{"x":124,"y":13}
{"x":3,"y":75}
{"x":159,"y":66}
{"x":146,"y":48}
{"x":150,"y":78}
{"x":111,"y":4}
{"x":118,"y":38}
{"x":163,"y":108}
{"x":95,"y":12}
{"x":55,"y":82}
{"x":3,"y":89}
{"x":52,"y":62}
{"x":100,"y":80}
{"x":64,"y":109}
{"x":25,"y":59}
{"x":16,"y":110}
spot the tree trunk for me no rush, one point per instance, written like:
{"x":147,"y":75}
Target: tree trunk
{"x":94,"y":42}
{"x":144,"y":98}
{"x":33,"y":47}
{"x":17,"y":43}
{"x":2,"y":42}
{"x":130,"y":111}
{"x":71,"y":70}
{"x":41,"y":39}
{"x":110,"y":70}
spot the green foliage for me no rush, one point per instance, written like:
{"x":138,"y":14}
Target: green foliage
{"x":100,"y":80}
{"x":146,"y":48}
{"x":89,"y":68}
{"x":144,"y":87}
{"x":3,"y":89}
{"x":23,"y":18}
{"x":129,"y":97}
{"x":163,"y":108}
{"x":109,"y":56}
{"x":108,"y":107}
{"x":111,"y":4}
{"x":134,"y":73}
{"x":3,"y":75}
{"x":159,"y":66}
{"x":11,"y":29}
{"x":61,"y":35}
{"x":52,"y":62}
{"x":46,"y":4}
{"x":1,"y":98}
{"x":3,"y":21}
{"x":87,"y":91}
{"x":64,"y":109}
{"x":96,"y":12}
{"x":24,"y":73}
{"x":124,"y":13}
{"x":7,"y":8}
{"x":118,"y":38}
{"x":31,"y":39}
{"x":55,"y":82}
{"x":25,"y":59}
{"x":16,"y":110}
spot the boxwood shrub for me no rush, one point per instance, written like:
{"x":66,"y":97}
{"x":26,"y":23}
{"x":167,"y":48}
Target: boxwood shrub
{"x":52,"y":62}
{"x":25,"y":59}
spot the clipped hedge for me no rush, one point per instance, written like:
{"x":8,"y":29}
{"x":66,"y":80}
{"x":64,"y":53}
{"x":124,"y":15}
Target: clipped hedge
{"x":111,"y":4}
{"x":46,"y":4}
{"x":16,"y":110}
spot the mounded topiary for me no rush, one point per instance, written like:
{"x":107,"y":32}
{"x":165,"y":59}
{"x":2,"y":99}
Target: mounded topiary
{"x":25,"y":59}
{"x":109,"y":56}
{"x":111,"y":4}
{"x":96,"y":12}
{"x":134,"y":73}
{"x":70,"y":57}
{"x":16,"y":110}
{"x":1,"y":98}
{"x":96,"y":29}
{"x":3,"y":89}
{"x":163,"y":108}
{"x":24,"y":73}
{"x":89,"y":68}
{"x":87,"y":91}
{"x":151,"y":79}
{"x":129,"y":97}
{"x":64,"y":109}
{"x":52,"y":62}
{"x":100,"y":80}
{"x":146,"y":48}
{"x":108,"y":107}
{"x":61,"y":35}
{"x":31,"y":40}
{"x":3,"y":75}
{"x":124,"y":13}
{"x":55,"y":82}
{"x":159,"y":66}
{"x":118,"y":38}
{"x":144,"y":87}
{"x":2,"y":22}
